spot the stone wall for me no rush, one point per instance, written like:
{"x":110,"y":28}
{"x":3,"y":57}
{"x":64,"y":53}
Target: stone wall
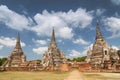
{"x":65,"y":67}
{"x":84,"y":67}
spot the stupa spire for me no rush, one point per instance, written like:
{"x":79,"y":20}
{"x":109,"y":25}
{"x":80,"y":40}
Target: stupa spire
{"x":18,"y":46}
{"x":98,"y":31}
{"x":53,"y":41}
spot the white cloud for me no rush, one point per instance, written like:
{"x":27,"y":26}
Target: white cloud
{"x":61,"y":21}
{"x":113,"y":25}
{"x":80,"y":41}
{"x":1,"y":56}
{"x":41,"y":42}
{"x":100,"y":12}
{"x":46,"y":22}
{"x":74,"y":53}
{"x":40,"y":50}
{"x":115,"y":47}
{"x":116,"y":2}
{"x":59,"y":40}
{"x":79,"y":18}
{"x":9,"y":42}
{"x":89,"y":47}
{"x":13,"y":19}
{"x":1,"y":46}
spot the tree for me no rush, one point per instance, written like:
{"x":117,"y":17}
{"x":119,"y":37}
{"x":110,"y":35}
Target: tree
{"x":78,"y":59}
{"x":68,"y":59}
{"x":2,"y":61}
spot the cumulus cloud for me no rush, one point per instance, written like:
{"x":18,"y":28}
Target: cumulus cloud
{"x":62,"y":22}
{"x":46,"y":22}
{"x":1,"y":46}
{"x":59,"y":40}
{"x":113,"y":25}
{"x":13,"y":19}
{"x":115,"y":47}
{"x":80,"y":41}
{"x":89,"y":47}
{"x":74,"y":53}
{"x":9,"y":42}
{"x":79,"y":18}
{"x":116,"y":2}
{"x":39,"y":50}
{"x":41,"y":42}
{"x":100,"y":12}
{"x":43,"y":23}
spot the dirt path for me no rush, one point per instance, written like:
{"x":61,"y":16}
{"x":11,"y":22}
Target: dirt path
{"x":74,"y":75}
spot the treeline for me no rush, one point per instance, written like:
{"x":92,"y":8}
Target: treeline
{"x":2,"y":60}
{"x":78,"y":59}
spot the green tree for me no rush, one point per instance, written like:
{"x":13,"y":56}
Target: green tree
{"x":69,"y":59}
{"x":2,"y":61}
{"x":79,"y":59}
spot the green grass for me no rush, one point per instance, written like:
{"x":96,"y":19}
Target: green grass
{"x":33,"y":75}
{"x":101,"y":76}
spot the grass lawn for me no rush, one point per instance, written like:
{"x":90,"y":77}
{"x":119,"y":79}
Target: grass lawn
{"x":33,"y":75}
{"x":101,"y":76}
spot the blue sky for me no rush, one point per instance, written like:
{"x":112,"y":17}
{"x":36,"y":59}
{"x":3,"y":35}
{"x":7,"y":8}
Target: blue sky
{"x":74,"y":22}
